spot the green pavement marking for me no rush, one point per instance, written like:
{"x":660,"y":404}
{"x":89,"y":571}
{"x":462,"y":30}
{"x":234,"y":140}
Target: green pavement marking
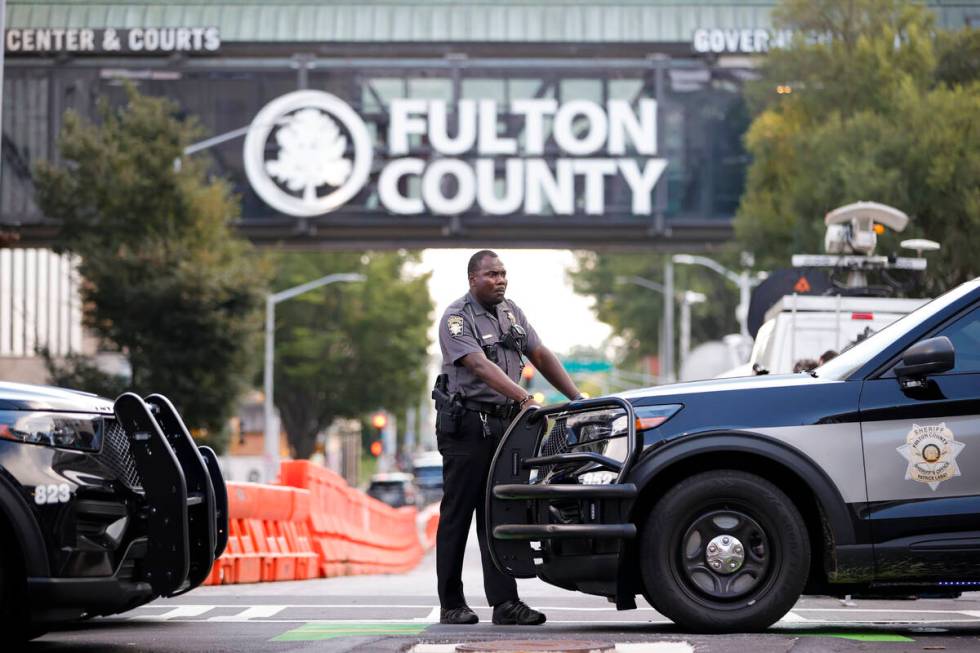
{"x":861,"y":637}
{"x":317,"y":630}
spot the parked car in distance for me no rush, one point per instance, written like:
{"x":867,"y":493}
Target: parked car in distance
{"x":397,"y":489}
{"x":428,"y":476}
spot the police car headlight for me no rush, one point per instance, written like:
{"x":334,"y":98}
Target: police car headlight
{"x":63,"y":430}
{"x":597,"y":478}
{"x":614,"y":444}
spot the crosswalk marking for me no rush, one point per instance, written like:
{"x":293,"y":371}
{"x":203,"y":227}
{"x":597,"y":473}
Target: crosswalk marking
{"x":621,"y":647}
{"x":431,"y":618}
{"x":423,"y":614}
{"x":253,"y":612}
{"x":179,"y":612}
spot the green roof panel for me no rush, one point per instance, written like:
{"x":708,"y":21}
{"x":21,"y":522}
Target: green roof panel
{"x":433,"y":21}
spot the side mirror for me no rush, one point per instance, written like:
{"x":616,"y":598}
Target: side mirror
{"x":925,"y":357}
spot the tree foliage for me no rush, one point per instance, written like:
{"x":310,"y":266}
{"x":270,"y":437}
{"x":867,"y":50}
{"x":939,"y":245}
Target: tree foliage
{"x":166,"y":281}
{"x":348,"y":348}
{"x":636,"y":313}
{"x":885,"y":107}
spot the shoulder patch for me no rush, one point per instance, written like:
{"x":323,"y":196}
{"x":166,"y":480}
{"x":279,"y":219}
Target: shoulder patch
{"x":455,"y":324}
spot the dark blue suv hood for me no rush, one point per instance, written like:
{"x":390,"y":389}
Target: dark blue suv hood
{"x":20,"y":396}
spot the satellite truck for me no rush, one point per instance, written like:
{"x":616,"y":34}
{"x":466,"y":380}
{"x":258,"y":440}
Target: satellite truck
{"x":826,"y":303}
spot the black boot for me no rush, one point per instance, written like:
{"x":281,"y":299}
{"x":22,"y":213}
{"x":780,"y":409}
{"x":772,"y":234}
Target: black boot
{"x":516,"y":613}
{"x":461,"y":615}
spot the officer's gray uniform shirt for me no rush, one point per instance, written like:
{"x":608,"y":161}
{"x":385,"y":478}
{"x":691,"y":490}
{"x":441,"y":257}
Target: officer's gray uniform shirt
{"x":466,"y":327}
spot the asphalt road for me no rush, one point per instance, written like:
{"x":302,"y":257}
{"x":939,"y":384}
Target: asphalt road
{"x":400,"y":613}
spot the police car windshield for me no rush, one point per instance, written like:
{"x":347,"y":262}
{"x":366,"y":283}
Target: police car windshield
{"x":850,"y":360}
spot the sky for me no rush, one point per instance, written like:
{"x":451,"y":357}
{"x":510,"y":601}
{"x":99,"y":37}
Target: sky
{"x":538,"y":283}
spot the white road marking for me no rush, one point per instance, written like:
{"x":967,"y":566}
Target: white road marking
{"x":179,"y":612}
{"x":253,"y":612}
{"x":632,"y":647}
{"x":264,"y":613}
{"x":891,"y":610}
{"x":431,"y":618}
{"x":420,"y":606}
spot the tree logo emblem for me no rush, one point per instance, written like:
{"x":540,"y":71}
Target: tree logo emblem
{"x":296,"y":153}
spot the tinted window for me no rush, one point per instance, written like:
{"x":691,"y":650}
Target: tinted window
{"x":965,"y":335}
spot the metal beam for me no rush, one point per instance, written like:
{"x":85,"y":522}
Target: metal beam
{"x":417,"y":232}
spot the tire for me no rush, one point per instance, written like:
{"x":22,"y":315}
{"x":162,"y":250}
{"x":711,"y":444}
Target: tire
{"x":14,"y":618}
{"x":763,"y":527}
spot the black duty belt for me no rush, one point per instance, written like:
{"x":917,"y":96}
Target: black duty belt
{"x":496,"y":410}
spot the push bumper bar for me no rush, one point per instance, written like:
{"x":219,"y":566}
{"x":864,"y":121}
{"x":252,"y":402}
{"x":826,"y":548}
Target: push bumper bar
{"x":519,"y":512}
{"x":187,"y":525}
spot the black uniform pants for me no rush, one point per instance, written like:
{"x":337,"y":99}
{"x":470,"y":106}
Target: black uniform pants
{"x":466,"y":458}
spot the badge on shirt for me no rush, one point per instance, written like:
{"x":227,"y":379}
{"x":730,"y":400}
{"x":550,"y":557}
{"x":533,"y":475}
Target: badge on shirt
{"x":513,"y":320}
{"x":455,"y":324}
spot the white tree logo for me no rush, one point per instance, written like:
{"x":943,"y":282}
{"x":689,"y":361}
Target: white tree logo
{"x":311,"y":153}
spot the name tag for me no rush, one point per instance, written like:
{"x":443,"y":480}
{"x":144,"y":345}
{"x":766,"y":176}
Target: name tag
{"x":489,"y":335}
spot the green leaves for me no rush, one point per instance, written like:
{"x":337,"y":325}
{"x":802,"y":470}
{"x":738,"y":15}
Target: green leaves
{"x":885,"y":110}
{"x":167,"y":282}
{"x":348,"y":348}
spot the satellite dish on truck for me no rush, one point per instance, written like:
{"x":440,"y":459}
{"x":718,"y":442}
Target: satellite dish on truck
{"x":852,"y":234}
{"x":851,"y":228}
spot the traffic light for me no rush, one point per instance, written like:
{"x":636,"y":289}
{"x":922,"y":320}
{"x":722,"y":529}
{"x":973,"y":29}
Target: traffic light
{"x":527,"y":373}
{"x":379,"y":421}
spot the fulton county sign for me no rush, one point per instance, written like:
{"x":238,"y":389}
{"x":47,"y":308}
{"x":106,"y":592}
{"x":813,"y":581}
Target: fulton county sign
{"x":307,"y":153}
{"x":81,"y":40}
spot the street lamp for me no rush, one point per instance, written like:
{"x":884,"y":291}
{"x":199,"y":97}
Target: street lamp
{"x":686,"y":298}
{"x":271,"y":444}
{"x":743,"y":281}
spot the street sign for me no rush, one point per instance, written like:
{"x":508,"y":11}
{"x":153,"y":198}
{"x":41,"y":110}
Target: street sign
{"x":577,"y":366}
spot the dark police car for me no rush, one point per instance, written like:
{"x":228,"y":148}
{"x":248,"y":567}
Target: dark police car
{"x":103,"y":505}
{"x":722,"y":501}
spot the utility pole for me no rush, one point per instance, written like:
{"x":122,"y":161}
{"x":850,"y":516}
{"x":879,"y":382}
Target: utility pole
{"x":3,"y":45}
{"x":271,"y":443}
{"x":668,"y":363}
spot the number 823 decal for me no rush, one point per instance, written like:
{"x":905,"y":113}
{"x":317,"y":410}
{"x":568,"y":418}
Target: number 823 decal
{"x":52,"y":493}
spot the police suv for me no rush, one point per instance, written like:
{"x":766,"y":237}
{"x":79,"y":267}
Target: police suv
{"x":104,"y":506}
{"x":722,"y":501}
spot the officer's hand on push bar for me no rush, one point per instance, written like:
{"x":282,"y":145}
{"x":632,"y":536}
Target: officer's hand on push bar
{"x":528,"y":400}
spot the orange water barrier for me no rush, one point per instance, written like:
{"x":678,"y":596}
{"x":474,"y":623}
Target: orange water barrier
{"x":315,"y":525}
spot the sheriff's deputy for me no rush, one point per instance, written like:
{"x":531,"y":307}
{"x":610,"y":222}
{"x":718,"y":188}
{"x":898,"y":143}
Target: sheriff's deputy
{"x":484,"y":339}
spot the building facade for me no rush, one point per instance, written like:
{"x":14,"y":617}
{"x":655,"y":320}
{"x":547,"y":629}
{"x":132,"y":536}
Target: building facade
{"x":434,"y":68}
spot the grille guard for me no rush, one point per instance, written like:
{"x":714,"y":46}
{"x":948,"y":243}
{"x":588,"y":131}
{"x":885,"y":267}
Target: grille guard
{"x":186,"y":503}
{"x":513,"y":510}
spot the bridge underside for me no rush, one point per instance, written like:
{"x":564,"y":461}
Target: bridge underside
{"x":418,"y":232}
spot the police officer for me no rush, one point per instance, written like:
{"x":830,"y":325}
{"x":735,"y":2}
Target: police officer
{"x":484,"y":339}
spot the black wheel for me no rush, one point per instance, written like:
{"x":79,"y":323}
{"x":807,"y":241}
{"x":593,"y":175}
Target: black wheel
{"x":14,"y":617}
{"x":724,"y":551}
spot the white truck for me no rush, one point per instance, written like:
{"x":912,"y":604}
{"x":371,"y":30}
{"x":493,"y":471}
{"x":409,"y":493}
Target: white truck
{"x":799,"y":327}
{"x":804,"y":327}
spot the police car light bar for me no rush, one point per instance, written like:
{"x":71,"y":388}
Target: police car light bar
{"x":858,"y":262}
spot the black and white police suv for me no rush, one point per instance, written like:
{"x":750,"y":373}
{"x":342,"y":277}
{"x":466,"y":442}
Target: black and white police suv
{"x":103,"y":505}
{"x":722,"y":501}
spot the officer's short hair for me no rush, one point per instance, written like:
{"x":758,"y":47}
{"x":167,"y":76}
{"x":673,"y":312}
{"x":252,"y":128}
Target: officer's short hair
{"x":475,"y":260}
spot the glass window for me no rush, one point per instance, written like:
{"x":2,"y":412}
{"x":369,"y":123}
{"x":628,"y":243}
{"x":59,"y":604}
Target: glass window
{"x":485,"y":89}
{"x":965,"y":336}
